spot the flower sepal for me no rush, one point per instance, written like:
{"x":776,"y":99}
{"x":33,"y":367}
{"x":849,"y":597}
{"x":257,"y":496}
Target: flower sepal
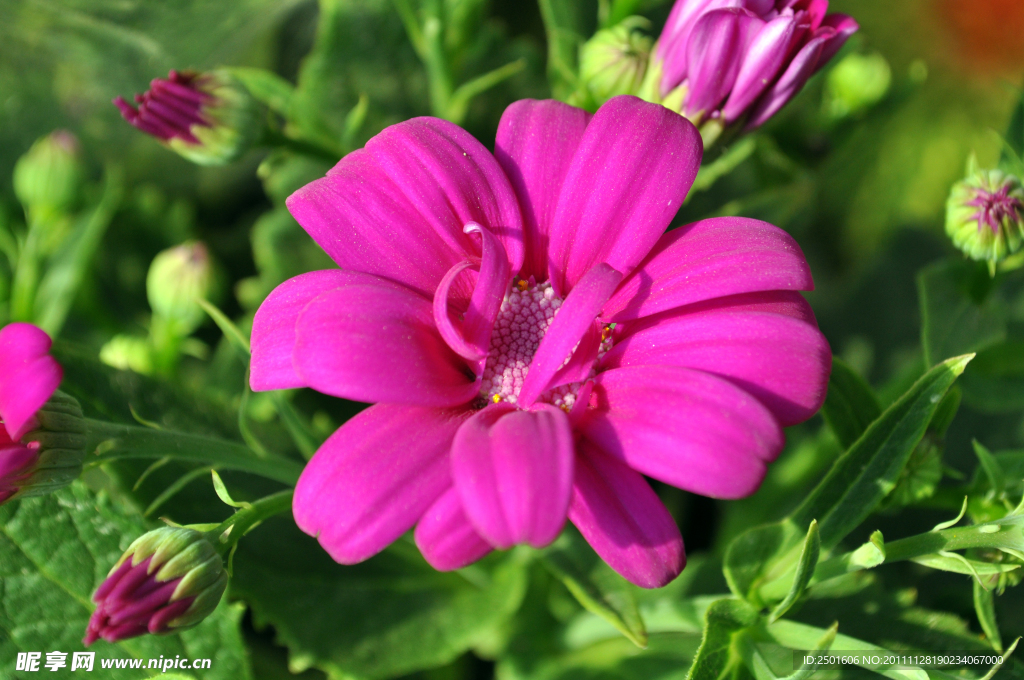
{"x":55,"y":448}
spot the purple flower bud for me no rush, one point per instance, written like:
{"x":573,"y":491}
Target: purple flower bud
{"x":726,"y":61}
{"x":168,"y":580}
{"x":209,"y":118}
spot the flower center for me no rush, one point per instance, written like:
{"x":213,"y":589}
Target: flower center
{"x":995,"y":207}
{"x":526,"y":315}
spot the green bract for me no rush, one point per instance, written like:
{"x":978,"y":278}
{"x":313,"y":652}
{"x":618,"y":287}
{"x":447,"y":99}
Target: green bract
{"x":614,"y":61}
{"x":60,"y":436}
{"x":234,"y":118}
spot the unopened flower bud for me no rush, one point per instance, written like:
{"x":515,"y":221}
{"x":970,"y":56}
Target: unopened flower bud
{"x":48,"y":177}
{"x":178,"y":278}
{"x":985,"y":215}
{"x":614,"y":61}
{"x":168,"y":580}
{"x":49,"y":456}
{"x":209,"y":118}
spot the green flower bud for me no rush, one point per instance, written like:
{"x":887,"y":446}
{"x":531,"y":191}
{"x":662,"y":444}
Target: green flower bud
{"x":48,"y":177}
{"x":178,"y":278}
{"x":614,"y":61}
{"x":985,"y":215}
{"x":128,"y":353}
{"x":181,"y":564}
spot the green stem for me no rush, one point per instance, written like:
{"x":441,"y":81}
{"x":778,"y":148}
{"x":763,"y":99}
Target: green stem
{"x":436,"y":62}
{"x":113,"y":441}
{"x":26,"y":276}
{"x":242,"y":521}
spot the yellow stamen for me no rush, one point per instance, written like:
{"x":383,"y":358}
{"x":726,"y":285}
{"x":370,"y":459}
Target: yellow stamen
{"x":522,"y":285}
{"x":496,"y":398}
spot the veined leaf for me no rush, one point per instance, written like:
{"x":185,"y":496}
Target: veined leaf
{"x":715,"y":656}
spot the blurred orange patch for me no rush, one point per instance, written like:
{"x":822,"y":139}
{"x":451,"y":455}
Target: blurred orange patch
{"x":988,"y":33}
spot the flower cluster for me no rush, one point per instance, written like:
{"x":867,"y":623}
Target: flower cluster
{"x":534,"y":341}
{"x":985,"y":214}
{"x":733,"y":60}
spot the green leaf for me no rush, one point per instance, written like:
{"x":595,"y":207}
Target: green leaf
{"x":804,"y":571}
{"x":222,"y":492}
{"x":954,"y":563}
{"x":993,"y":471}
{"x":68,"y":267}
{"x":715,"y":656}
{"x":390,"y":615}
{"x":984,"y":607}
{"x":268,"y":87}
{"x":959,"y":311}
{"x":595,"y":585}
{"x":54,"y":551}
{"x":754,"y":558}
{"x":850,"y":405}
{"x":800,"y":636}
{"x":995,"y":383}
{"x":868,"y":471}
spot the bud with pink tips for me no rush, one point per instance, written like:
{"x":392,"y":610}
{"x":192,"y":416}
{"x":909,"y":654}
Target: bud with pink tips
{"x":168,"y":580}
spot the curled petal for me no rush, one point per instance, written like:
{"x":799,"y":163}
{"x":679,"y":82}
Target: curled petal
{"x":574,"y":319}
{"x":513,"y":472}
{"x":373,"y":479}
{"x":376,"y":343}
{"x":684,"y":427}
{"x":454,"y":337}
{"x":490,"y":290}
{"x":710,"y":259}
{"x":535,"y":146}
{"x":28,"y":376}
{"x":446,"y":538}
{"x":627,"y":181}
{"x":623,"y":519}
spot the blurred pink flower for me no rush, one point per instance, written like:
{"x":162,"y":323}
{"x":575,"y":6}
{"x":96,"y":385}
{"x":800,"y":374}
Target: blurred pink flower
{"x":536,"y":341}
{"x":731,"y":58}
{"x":28,"y":378}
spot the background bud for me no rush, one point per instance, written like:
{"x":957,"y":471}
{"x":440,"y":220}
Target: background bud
{"x":985,"y":215}
{"x":857,"y":83}
{"x":49,"y":175}
{"x":177,"y":279}
{"x":614,"y":61}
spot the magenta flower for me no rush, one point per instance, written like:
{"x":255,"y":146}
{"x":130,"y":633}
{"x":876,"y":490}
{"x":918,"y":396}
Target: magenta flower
{"x":726,"y":59}
{"x":28,"y":378}
{"x":536,"y":342}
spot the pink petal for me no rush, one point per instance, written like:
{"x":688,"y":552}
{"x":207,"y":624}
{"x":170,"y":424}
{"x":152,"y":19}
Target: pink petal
{"x":491,"y":286}
{"x":446,"y":538}
{"x":762,"y":62}
{"x":675,"y":38}
{"x":715,"y":53}
{"x":373,"y":479}
{"x":630,"y":175}
{"x":789,"y":84}
{"x":377,"y":343}
{"x":28,"y":376}
{"x":844,"y":26}
{"x":710,"y":259}
{"x":687,"y":428}
{"x":397,"y":208}
{"x":513,"y":472}
{"x":535,"y":145}
{"x":624,"y":521}
{"x":782,"y":361}
{"x":574,"y":319}
{"x":273,"y":328}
